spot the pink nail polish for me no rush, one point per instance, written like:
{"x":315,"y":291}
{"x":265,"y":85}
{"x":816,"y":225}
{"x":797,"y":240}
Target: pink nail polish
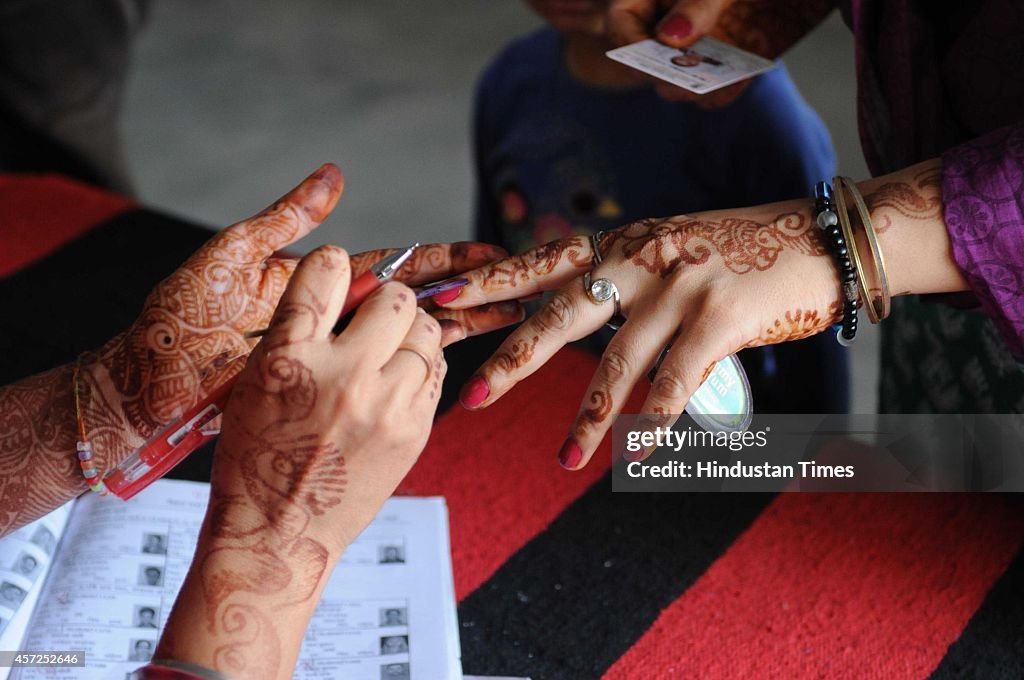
{"x":447,"y":296}
{"x":571,"y":454}
{"x":474,"y":392}
{"x":676,"y":26}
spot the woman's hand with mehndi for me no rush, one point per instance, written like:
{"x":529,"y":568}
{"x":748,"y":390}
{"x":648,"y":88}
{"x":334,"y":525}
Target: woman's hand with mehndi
{"x":709,"y":284}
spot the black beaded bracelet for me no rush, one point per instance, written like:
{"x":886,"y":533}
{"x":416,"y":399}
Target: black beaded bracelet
{"x":827,"y":219}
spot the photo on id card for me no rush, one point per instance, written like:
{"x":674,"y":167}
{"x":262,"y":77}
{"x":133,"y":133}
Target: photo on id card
{"x":704,"y":67}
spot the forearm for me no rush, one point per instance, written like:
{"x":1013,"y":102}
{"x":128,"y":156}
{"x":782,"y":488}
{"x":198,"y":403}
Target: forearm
{"x":38,"y":432}
{"x":907,"y":212}
{"x":248,"y":635}
{"x":249,"y":595}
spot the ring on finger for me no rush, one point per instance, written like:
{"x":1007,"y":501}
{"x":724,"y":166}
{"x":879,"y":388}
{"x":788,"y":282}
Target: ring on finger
{"x":600,"y":291}
{"x":426,"y":360}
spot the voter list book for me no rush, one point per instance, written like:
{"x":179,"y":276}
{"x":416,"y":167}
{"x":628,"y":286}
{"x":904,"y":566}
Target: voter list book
{"x":100,"y":575}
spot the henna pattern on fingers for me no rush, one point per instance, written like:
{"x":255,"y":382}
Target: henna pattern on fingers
{"x":598,"y":409}
{"x":539,"y":261}
{"x":518,"y":354}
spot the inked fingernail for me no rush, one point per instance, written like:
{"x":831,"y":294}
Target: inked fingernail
{"x":676,"y":26}
{"x":474,"y":392}
{"x":570,"y":455}
{"x":446,"y":296}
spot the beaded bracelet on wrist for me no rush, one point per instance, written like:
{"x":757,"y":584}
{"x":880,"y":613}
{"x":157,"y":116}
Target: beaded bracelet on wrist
{"x":827,"y":219}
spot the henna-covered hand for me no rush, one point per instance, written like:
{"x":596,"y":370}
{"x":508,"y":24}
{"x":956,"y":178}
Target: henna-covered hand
{"x":188,"y":339}
{"x":709,"y":284}
{"x":765,"y":27}
{"x":318,"y":433}
{"x":181,"y":346}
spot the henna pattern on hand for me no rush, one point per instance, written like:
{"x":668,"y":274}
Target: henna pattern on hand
{"x":660,"y":246}
{"x":257,"y":569}
{"x":199,"y":312}
{"x":796,"y":325}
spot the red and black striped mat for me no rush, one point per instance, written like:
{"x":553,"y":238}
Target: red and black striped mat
{"x":557,"y":577}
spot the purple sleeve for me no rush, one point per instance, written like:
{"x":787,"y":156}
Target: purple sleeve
{"x":983,"y":192}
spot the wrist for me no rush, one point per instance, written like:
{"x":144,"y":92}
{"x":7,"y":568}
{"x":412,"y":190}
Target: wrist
{"x":804,"y":251}
{"x":245,"y":604}
{"x":907,"y":212}
{"x":105,"y":421}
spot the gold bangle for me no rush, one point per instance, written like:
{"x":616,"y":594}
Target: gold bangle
{"x":882,"y":303}
{"x":843,"y":213}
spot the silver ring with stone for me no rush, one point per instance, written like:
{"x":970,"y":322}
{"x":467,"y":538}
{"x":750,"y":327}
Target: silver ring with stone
{"x":602,"y":290}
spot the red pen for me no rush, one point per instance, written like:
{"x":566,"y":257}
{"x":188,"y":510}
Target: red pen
{"x":173,"y":443}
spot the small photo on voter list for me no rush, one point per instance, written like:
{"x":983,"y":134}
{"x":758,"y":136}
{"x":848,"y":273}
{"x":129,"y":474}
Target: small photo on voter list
{"x":705,"y":66}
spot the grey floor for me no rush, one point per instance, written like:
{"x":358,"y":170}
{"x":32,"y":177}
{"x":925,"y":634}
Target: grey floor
{"x":230,"y":103}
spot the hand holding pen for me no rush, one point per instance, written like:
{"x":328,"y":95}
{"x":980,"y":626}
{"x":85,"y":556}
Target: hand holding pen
{"x":320,"y":430}
{"x":193,"y":428}
{"x":187,"y":341}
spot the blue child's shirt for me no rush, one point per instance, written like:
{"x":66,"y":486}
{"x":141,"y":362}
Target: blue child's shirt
{"x":556,"y":157}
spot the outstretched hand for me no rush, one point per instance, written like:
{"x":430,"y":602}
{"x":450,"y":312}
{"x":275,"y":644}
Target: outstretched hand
{"x":709,"y":283}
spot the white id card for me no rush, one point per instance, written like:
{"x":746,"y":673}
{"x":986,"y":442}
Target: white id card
{"x":704,"y":67}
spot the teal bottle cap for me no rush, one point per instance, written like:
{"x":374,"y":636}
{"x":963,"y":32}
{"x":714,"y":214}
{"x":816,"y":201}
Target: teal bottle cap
{"x":723,"y":402}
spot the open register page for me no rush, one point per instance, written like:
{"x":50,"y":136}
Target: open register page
{"x":106,"y":573}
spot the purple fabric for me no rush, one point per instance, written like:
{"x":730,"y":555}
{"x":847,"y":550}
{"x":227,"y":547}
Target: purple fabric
{"x":934,"y":78}
{"x":983,"y":192}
